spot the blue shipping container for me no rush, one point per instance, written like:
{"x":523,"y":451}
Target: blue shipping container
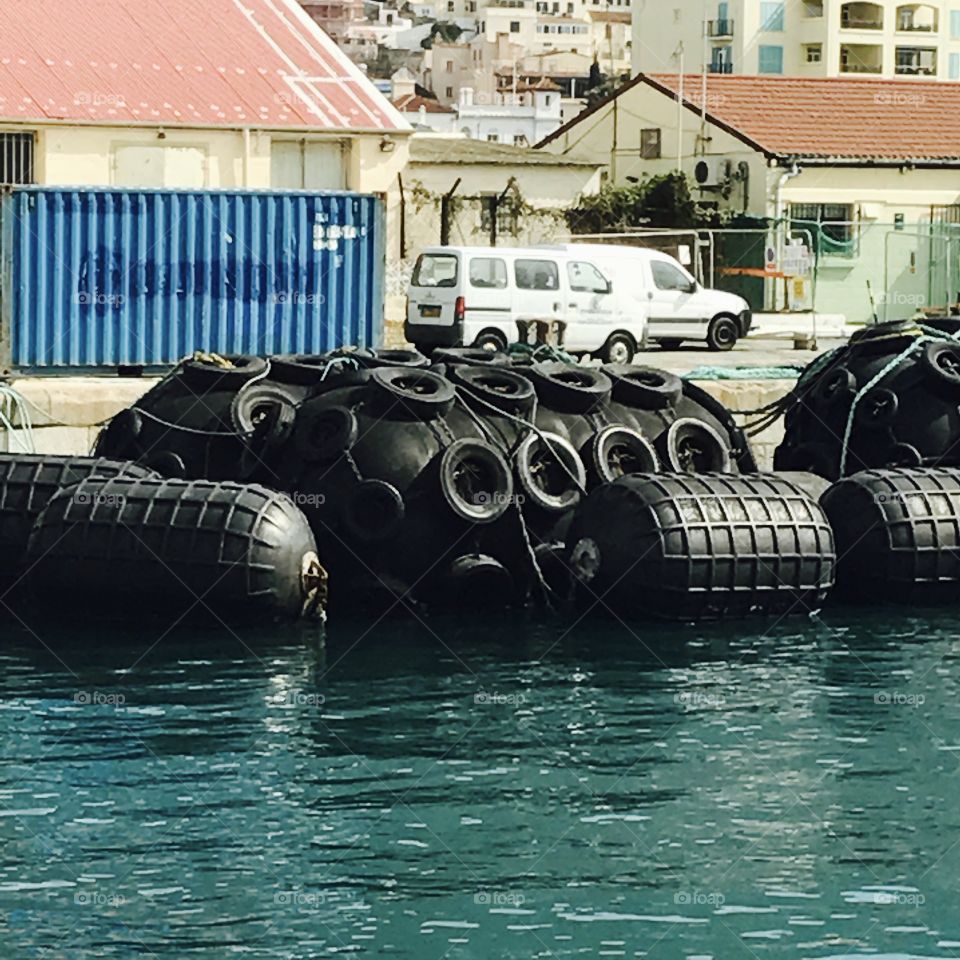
{"x":103,"y":278}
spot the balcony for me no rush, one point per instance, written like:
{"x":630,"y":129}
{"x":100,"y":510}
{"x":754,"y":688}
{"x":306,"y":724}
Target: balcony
{"x":720,"y":68}
{"x":861,"y":16}
{"x":720,"y":29}
{"x":916,"y":62}
{"x":917,"y":18}
{"x":861,"y":58}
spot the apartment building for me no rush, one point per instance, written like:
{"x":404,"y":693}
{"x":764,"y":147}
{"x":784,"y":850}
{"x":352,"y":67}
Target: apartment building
{"x":807,"y":38}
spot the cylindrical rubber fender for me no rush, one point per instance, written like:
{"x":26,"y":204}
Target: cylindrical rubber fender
{"x":397,"y":358}
{"x":643,"y":387}
{"x":374,"y":511}
{"x":232,"y":374}
{"x":267,"y":409}
{"x":551,"y":472}
{"x":686,"y":547}
{"x":694,"y":446}
{"x":898,"y":535}
{"x":476,"y":480}
{"x":500,"y":387}
{"x":941,"y":361}
{"x":617,"y":451}
{"x":28,"y":482}
{"x":570,"y":388}
{"x":324,"y":433}
{"x":420,"y":393}
{"x":469,"y":356}
{"x":181,"y":549}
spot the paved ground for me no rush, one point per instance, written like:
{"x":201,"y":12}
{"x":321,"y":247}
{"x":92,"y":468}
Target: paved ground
{"x":754,"y":352}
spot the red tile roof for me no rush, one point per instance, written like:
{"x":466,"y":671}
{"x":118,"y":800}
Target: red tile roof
{"x":261,"y":63}
{"x":411,"y":103}
{"x":839,"y":118}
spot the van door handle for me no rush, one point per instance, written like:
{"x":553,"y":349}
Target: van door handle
{"x":572,"y":306}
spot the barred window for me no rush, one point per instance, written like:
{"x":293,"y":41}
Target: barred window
{"x":16,"y":158}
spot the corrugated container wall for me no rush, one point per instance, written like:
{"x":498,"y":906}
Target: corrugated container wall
{"x":103,"y":278}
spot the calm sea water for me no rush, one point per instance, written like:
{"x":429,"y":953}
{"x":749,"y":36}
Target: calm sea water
{"x":484,"y":789}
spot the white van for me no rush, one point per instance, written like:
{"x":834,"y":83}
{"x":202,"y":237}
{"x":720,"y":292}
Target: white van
{"x":611,"y":298}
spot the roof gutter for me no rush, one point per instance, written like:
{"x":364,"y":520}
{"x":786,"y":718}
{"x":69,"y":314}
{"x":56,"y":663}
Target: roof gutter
{"x":907,"y":164}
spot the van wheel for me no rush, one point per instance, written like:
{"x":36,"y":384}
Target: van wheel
{"x":670,"y":344}
{"x":722,"y":333}
{"x":619,"y":348}
{"x":491,"y":340}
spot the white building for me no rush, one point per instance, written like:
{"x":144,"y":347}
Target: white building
{"x":811,"y":38}
{"x":521,"y":119}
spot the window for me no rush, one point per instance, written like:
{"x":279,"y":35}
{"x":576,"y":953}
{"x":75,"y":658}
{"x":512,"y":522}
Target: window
{"x":771,"y":16}
{"x":493,"y":137}
{"x":650,"y":145}
{"x":955,"y":66}
{"x":520,"y":140}
{"x":536,"y":275}
{"x":16,"y":158}
{"x":488,"y":273}
{"x":514,"y":26}
{"x":814,"y":52}
{"x":837,"y":233}
{"x":666,"y":276}
{"x":813,"y":8}
{"x":955,"y":24}
{"x":435,"y":270}
{"x":506,"y":215}
{"x":449,"y":66}
{"x":586,"y":278}
{"x":449,"y":92}
{"x":450,"y":6}
{"x":771,"y":59}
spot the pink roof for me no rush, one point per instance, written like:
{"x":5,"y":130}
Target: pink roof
{"x":261,"y":63}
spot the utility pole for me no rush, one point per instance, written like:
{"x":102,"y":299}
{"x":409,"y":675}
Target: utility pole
{"x":678,"y":54}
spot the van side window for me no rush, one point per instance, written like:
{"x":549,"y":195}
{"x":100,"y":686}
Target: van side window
{"x":586,"y":278}
{"x":488,"y":273}
{"x":435,"y":270}
{"x":668,"y":277}
{"x":537,"y":275}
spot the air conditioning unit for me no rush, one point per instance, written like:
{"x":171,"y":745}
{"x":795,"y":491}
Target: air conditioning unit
{"x":712,"y":172}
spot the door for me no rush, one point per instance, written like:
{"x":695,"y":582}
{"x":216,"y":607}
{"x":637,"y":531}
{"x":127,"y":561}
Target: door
{"x":488,"y":299}
{"x":307,"y":165}
{"x":539,"y":295}
{"x":433,"y":290}
{"x":676,"y":309}
{"x":590,"y":306}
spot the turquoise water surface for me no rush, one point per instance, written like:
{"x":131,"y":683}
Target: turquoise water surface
{"x":484,"y":788}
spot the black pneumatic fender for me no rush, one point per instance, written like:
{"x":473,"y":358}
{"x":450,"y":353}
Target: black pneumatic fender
{"x":470,"y":356}
{"x":178,"y":549}
{"x":739,"y":445}
{"x":495,"y":386}
{"x":617,"y":451}
{"x":551,"y":473}
{"x":209,"y":374}
{"x":475,"y":480}
{"x":421,"y":394}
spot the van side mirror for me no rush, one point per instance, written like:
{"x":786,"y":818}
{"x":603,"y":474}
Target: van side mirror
{"x":691,"y":287}
{"x":609,"y":287}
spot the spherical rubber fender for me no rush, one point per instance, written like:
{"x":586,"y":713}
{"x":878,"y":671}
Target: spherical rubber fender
{"x":205,"y":374}
{"x":119,"y":437}
{"x":324,"y":433}
{"x":617,"y":451}
{"x":299,"y":369}
{"x":643,"y":387}
{"x":693,"y":446}
{"x":898,"y":535}
{"x":570,"y":388}
{"x":808,"y":458}
{"x":421,"y":393}
{"x":167,"y":464}
{"x":398,"y":358}
{"x":941,"y":361}
{"x":469,"y":356}
{"x":500,"y":387}
{"x":837,"y":387}
{"x":684,"y":547}
{"x":476,"y":481}
{"x":179,"y":549}
{"x":551,"y":472}
{"x":374,"y":511}
{"x":877,"y":408}
{"x":264,"y":408}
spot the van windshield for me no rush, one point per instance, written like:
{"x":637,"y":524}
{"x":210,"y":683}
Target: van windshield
{"x":435,"y":270}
